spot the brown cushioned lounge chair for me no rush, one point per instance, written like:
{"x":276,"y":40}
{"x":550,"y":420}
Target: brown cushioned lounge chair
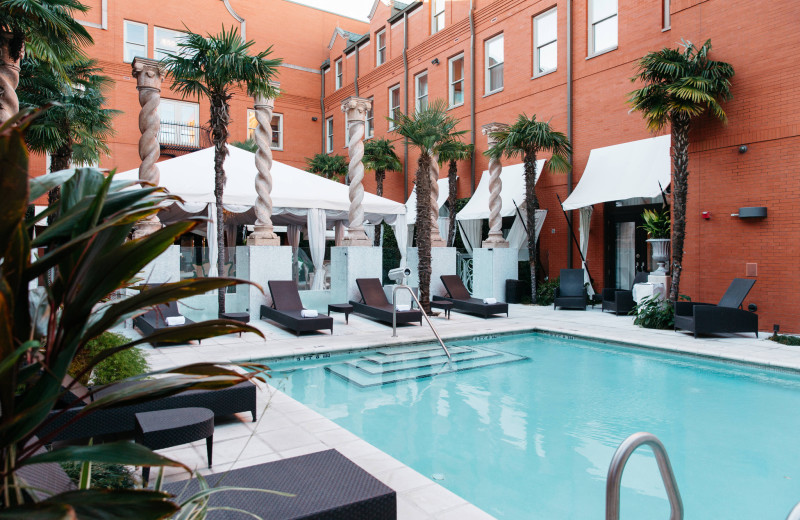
{"x":620,"y":301}
{"x":462,"y":301}
{"x":156,"y":319}
{"x":374,"y":304}
{"x":726,"y":316}
{"x":286,"y":309}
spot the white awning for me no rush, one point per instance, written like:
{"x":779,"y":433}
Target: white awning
{"x":623,"y":171}
{"x":411,"y":203}
{"x":513,"y":177}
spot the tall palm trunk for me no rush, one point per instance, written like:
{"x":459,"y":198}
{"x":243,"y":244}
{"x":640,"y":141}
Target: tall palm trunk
{"x":220,"y":117}
{"x":531,"y":205}
{"x":452,"y":189}
{"x":680,"y":179}
{"x":424,"y":229}
{"x":379,"y":176}
{"x":60,"y":160}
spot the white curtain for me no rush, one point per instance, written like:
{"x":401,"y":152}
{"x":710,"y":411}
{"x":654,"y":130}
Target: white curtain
{"x":338,"y":233}
{"x":316,"y":241}
{"x":444,"y":222}
{"x":517,"y":237}
{"x":586,"y":220}
{"x":369,"y":229}
{"x":470,"y":231}
{"x":211,"y":238}
{"x":401,"y":235}
{"x":293,"y":237}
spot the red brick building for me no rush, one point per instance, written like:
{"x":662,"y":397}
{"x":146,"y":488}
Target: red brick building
{"x":494,"y":59}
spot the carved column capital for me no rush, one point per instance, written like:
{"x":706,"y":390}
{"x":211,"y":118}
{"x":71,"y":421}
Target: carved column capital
{"x":148,"y":73}
{"x":355,"y":110}
{"x":490,"y":128}
{"x":261,"y":100}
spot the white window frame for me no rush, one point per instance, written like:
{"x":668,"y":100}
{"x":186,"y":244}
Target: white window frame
{"x":339,"y":75}
{"x":392,"y":109}
{"x":380,"y":52}
{"x":189,"y":136}
{"x":591,"y":26}
{"x":437,"y":17}
{"x":451,"y":84}
{"x":251,"y":129}
{"x":369,"y":122}
{"x":487,"y":68}
{"x":537,"y":45}
{"x":417,"y":96}
{"x":329,"y":135}
{"x":666,"y":25}
{"x":155,"y":40}
{"x":125,"y":24}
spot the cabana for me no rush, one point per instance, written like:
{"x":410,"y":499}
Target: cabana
{"x":411,"y":208}
{"x":299,"y":199}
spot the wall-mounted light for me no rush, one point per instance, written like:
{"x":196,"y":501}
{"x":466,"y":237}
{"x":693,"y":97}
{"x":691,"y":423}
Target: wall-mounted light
{"x":743,"y":148}
{"x":435,"y":61}
{"x":313,"y":118}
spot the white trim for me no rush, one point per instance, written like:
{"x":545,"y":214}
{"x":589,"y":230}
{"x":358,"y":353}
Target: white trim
{"x":417,"y":96}
{"x":235,"y":15}
{"x":155,"y":39}
{"x":391,"y":112}
{"x":339,"y":74}
{"x":367,"y":125}
{"x":537,"y":46}
{"x":590,"y":26}
{"x":434,"y":15}
{"x":486,"y":68}
{"x":125,"y":24}
{"x":450,"y":82}
{"x":378,"y":48}
{"x":103,"y":18}
{"x":300,"y":67}
{"x":329,"y":135}
{"x":279,"y":148}
{"x":666,"y":20}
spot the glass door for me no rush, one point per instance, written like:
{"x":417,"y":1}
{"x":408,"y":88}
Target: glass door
{"x":626,"y":244}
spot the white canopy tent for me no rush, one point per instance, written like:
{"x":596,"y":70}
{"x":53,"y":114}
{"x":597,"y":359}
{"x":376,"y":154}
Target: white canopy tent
{"x":411,"y":208}
{"x":294,"y":193}
{"x":638,"y":169}
{"x":513,"y":197}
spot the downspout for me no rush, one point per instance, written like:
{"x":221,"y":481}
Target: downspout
{"x":569,"y":123}
{"x":472,"y":93}
{"x":405,"y":103}
{"x":322,"y":106}
{"x":355,"y":81}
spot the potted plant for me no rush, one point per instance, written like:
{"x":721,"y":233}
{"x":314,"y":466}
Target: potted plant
{"x":657,"y":226}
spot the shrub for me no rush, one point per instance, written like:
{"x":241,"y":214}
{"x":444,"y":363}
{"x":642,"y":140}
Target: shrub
{"x":104,"y":476}
{"x":128,"y":363}
{"x":545,"y":291}
{"x":654,"y":313}
{"x":786,"y":340}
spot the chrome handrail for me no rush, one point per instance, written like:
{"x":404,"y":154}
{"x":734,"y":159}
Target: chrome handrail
{"x":621,"y":457}
{"x":794,"y":514}
{"x":394,"y":316}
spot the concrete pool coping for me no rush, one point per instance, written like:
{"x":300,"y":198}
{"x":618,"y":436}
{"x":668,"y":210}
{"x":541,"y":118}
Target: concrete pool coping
{"x":288,"y":428}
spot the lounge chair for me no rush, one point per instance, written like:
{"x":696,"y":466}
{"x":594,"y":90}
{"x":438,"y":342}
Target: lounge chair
{"x":462,"y":301}
{"x":156,"y":318}
{"x":726,"y":316}
{"x":287,"y":309}
{"x":570,"y":293}
{"x":374,"y":304}
{"x":620,"y":301}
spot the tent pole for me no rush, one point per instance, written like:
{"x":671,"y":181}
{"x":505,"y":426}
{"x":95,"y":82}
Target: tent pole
{"x":519,"y":214}
{"x":465,"y":235}
{"x":574,"y":239}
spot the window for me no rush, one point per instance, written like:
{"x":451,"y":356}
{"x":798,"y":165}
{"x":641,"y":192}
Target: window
{"x":380,"y":47}
{"x":277,"y":129}
{"x":394,"y":104}
{"x":456,"y":74}
{"x":369,"y":129}
{"x":165,"y":41}
{"x":545,"y":43}
{"x":339,"y":73}
{"x":666,"y":20}
{"x":603,"y":25}
{"x":179,"y":123}
{"x":437,"y":16}
{"x":329,"y":134}
{"x":421,"y":83}
{"x":494,"y":64}
{"x":135,"y":35}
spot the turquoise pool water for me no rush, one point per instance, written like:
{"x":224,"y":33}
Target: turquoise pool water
{"x":531,"y":437}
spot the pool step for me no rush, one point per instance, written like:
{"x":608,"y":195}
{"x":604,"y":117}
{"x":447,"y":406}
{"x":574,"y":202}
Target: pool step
{"x":388,"y":366}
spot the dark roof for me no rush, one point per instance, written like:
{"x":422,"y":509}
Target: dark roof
{"x":325,"y":64}
{"x":352,"y":46}
{"x":407,"y":8}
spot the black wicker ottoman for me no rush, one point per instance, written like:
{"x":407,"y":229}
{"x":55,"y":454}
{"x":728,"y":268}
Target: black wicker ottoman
{"x":327,"y":486}
{"x":167,"y":428}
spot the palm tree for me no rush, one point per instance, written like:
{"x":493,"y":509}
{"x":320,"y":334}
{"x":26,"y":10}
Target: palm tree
{"x":248,"y":145}
{"x":426,"y":129}
{"x":379,"y":156}
{"x":526,"y":138}
{"x":42,"y":29}
{"x":452,"y":151}
{"x":678,"y":86}
{"x":328,"y":166}
{"x":216,"y":66}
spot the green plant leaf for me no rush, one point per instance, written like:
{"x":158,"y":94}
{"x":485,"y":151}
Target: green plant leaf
{"x":39,"y":511}
{"x":12,"y":359}
{"x":118,"y":504}
{"x":121,"y":452}
{"x":44,"y":183}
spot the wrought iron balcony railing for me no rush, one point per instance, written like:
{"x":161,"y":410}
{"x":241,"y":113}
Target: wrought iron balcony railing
{"x":182,"y":137}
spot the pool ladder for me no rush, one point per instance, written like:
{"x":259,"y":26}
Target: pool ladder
{"x":394,"y":316}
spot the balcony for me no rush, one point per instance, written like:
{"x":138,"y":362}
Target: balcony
{"x":182,"y":138}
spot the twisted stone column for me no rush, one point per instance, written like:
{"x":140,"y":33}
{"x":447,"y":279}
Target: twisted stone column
{"x":148,"y":76}
{"x":9,"y":79}
{"x":355,"y":110}
{"x":264,"y":234}
{"x":436,"y":238}
{"x":495,"y":188}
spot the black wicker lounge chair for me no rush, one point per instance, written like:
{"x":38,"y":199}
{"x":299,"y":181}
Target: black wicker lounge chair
{"x":122,"y":419}
{"x":726,"y":316}
{"x":620,"y":301}
{"x":374,"y":304}
{"x":463,"y":302}
{"x":287,"y":308}
{"x":326,"y":485}
{"x":570,"y":293}
{"x":156,"y":318}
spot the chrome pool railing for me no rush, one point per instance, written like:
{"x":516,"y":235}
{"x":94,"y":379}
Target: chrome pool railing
{"x":618,"y":462}
{"x":394,"y":316}
{"x":794,"y":514}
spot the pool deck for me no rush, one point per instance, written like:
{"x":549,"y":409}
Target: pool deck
{"x":287,"y":428}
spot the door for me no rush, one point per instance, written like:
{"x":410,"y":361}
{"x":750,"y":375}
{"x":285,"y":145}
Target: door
{"x":626,"y":244}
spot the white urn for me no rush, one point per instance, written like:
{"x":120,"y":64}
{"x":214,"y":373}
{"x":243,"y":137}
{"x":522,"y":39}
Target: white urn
{"x":660,"y":254}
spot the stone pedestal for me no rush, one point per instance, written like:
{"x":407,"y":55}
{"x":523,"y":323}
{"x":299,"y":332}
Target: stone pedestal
{"x":443,"y":261}
{"x":164,"y":269}
{"x":490,"y":270}
{"x":349,"y":263}
{"x":265,"y":263}
{"x":666,"y":280}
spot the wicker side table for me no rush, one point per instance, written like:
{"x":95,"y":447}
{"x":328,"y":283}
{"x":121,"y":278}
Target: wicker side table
{"x":167,"y":428}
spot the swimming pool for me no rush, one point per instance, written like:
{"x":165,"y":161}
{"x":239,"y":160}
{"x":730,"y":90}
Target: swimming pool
{"x":528,"y":428}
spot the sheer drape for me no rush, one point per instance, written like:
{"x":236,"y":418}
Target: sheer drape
{"x":586,"y":220}
{"x":316,"y":241}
